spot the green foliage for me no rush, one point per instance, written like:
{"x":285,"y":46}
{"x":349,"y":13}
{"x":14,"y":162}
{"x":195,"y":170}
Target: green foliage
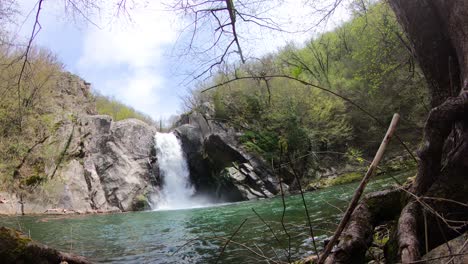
{"x":285,"y":122}
{"x":340,"y":179}
{"x":26,"y":118}
{"x":117,"y":110}
{"x":140,"y":203}
{"x":33,"y":180}
{"x":353,"y":154}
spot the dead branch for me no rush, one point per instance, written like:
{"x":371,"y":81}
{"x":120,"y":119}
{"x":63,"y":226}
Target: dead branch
{"x":271,"y":230}
{"x":357,"y":195}
{"x":16,"y":172}
{"x":298,"y":180}
{"x":34,"y":33}
{"x":280,"y":180}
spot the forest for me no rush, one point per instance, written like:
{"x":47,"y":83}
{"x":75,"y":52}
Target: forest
{"x":325,"y":103}
{"x":270,"y":159}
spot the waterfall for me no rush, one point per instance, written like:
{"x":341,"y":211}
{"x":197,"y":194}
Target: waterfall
{"x":176,"y":190}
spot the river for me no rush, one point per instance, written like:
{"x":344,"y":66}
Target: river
{"x":197,"y":235}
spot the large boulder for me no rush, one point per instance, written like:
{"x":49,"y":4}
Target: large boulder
{"x":454,"y":251}
{"x":218,"y":163}
{"x":191,"y":139}
{"x":120,"y":163}
{"x":107,"y":166}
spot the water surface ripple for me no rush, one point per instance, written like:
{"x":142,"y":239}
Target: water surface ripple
{"x":158,"y":236}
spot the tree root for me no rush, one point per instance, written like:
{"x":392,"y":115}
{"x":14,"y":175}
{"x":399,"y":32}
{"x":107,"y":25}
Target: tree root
{"x":373,"y":210}
{"x":437,"y":129}
{"x":439,"y":125}
{"x":407,"y":233}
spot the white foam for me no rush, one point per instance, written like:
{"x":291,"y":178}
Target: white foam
{"x":176,"y":190}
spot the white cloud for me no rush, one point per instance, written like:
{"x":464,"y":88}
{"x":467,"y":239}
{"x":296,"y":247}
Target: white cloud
{"x":127,"y":59}
{"x":124,"y":58}
{"x":138,"y":43}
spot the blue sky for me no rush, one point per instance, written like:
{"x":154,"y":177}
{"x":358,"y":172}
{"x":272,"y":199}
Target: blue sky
{"x":137,"y":58}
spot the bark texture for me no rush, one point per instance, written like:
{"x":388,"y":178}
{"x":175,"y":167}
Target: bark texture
{"x":374,"y":209}
{"x":438,"y":31}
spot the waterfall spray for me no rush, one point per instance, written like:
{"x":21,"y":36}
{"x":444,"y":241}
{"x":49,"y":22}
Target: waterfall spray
{"x":176,"y":189}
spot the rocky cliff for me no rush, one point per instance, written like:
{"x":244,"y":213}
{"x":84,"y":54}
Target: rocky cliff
{"x":218,"y":163}
{"x":91,"y":163}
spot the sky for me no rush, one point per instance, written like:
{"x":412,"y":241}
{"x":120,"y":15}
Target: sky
{"x":139,"y":58}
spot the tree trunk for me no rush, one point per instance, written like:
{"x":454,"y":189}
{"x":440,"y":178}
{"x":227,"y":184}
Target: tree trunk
{"x":438,"y":30}
{"x":376,"y":208}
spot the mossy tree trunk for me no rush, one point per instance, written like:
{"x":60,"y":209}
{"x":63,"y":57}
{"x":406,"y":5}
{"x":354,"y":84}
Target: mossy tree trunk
{"x":15,"y":247}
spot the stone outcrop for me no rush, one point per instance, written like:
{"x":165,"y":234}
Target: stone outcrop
{"x":111,"y":167}
{"x":454,"y":251}
{"x":218,"y":163}
{"x":107,"y":166}
{"x":89,"y":163}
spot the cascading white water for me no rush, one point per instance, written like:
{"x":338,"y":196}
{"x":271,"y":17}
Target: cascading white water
{"x":176,"y":189}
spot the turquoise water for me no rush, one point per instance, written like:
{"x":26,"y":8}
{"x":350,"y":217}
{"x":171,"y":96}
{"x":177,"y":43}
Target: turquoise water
{"x":197,"y":235}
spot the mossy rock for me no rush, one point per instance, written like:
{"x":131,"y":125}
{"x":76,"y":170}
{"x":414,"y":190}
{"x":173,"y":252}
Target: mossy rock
{"x":15,"y":247}
{"x":328,"y":182}
{"x":346,"y":178}
{"x":12,"y":244}
{"x":140,"y":203}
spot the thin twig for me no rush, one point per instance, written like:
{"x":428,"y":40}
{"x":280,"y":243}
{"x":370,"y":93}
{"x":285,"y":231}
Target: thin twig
{"x":271,"y":230}
{"x":459,"y":251}
{"x":280,"y":180}
{"x":229,"y":240}
{"x":26,"y":54}
{"x":305,"y":207}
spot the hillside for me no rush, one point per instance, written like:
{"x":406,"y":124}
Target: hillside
{"x":322,"y":108}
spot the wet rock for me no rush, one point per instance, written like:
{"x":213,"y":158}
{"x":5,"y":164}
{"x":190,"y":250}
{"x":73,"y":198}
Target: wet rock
{"x":218,"y":163}
{"x":107,"y":167}
{"x":15,"y":247}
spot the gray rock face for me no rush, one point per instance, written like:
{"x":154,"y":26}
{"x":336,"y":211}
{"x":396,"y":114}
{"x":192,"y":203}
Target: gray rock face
{"x":91,"y":163}
{"x":110,"y":166}
{"x":72,"y":95}
{"x":456,"y":246}
{"x":219,"y":165}
{"x":119,"y":162}
{"x":200,"y":171}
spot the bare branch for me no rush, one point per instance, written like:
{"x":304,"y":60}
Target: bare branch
{"x":35,"y":31}
{"x":320,"y":88}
